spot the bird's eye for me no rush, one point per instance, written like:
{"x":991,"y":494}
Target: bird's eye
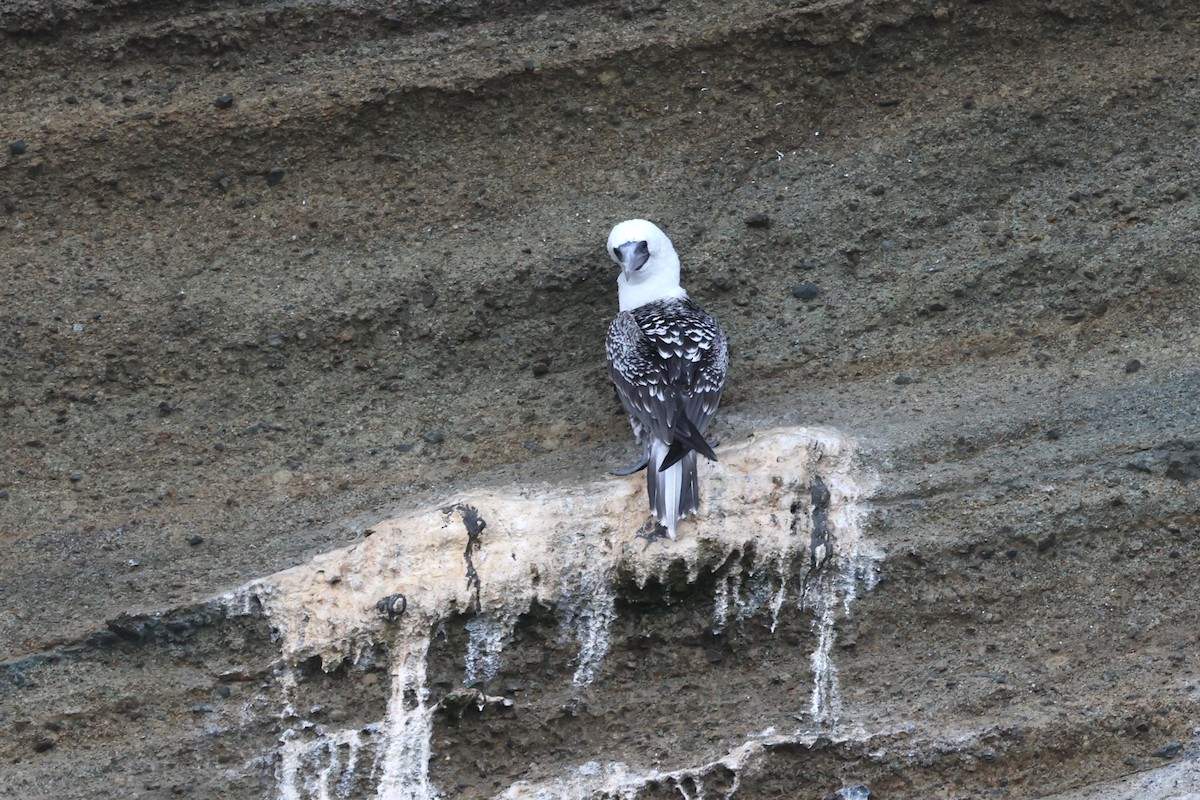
{"x":641,"y":254}
{"x":616,"y":254}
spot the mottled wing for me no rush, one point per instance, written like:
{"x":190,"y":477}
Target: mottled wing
{"x":633,"y":373}
{"x":666,"y":359}
{"x":707,"y":379}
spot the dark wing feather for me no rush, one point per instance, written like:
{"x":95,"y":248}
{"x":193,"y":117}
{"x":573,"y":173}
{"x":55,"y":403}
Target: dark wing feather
{"x":668,"y":359}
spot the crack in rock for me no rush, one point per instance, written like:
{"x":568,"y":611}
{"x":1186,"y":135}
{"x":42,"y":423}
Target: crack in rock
{"x":475,"y":525}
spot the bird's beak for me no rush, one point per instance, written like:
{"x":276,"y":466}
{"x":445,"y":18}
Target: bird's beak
{"x":633,"y":256}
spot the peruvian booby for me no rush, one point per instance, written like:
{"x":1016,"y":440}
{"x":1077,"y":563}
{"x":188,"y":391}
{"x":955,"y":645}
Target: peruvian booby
{"x":667,"y":357}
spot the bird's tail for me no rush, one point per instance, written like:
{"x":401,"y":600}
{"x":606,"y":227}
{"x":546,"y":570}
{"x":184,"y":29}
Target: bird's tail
{"x":674,"y":492}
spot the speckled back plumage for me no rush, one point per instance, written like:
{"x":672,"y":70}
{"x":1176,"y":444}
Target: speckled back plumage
{"x":668,"y":360}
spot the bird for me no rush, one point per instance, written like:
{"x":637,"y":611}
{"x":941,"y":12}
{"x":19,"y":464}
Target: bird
{"x":667,"y":358}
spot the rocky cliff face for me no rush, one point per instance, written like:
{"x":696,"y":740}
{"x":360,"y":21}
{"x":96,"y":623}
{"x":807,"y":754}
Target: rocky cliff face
{"x":302,"y":313}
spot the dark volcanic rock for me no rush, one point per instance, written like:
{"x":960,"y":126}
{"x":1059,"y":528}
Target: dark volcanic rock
{"x":806,"y":291}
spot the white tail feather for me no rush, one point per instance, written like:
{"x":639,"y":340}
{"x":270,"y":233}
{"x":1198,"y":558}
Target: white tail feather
{"x":672,"y":492}
{"x":669,"y":484}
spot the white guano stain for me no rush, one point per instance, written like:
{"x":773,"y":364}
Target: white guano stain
{"x":562,"y":548}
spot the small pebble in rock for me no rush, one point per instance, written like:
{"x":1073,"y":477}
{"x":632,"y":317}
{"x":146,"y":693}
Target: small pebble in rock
{"x":18,"y":147}
{"x":75,"y":477}
{"x":219,"y":446}
{"x":223,"y":692}
{"x":1169,"y":751}
{"x":274,"y":177}
{"x":403,"y":447}
{"x":1133,"y":366}
{"x":806,"y":291}
{"x":540,"y":369}
{"x":194,"y":540}
{"x":203,"y":708}
{"x":528,"y":65}
{"x":224,"y":101}
{"x":626,"y":12}
{"x":274,"y":339}
{"x":42,"y":745}
{"x":722,"y":282}
{"x":758,"y":220}
{"x":808,"y":263}
{"x":292,"y":463}
{"x":902,"y":380}
{"x":1053,"y":435}
{"x":392,"y":607}
{"x":435,"y":437}
{"x":877,"y":190}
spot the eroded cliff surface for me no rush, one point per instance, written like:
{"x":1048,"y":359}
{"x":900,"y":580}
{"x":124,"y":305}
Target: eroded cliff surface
{"x":274,"y":274}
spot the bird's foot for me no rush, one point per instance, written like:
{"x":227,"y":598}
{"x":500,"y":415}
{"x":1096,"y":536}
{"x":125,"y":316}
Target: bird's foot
{"x":638,"y":467}
{"x":653,"y":531}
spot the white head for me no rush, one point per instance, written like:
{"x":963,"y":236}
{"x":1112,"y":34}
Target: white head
{"x":649,"y":264}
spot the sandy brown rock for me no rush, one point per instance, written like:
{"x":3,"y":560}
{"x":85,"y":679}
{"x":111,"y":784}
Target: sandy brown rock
{"x":244,"y":323}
